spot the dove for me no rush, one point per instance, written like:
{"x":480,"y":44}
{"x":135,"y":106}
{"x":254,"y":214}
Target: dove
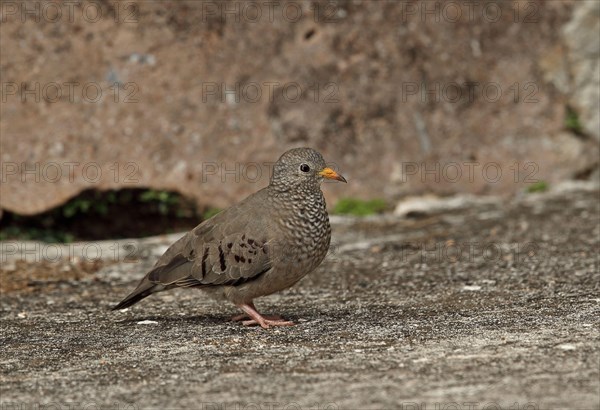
{"x":259,"y":246}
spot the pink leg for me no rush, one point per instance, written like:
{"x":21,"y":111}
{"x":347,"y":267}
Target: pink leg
{"x":257,"y":319}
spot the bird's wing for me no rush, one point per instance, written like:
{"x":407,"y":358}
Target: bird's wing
{"x":228,"y":249}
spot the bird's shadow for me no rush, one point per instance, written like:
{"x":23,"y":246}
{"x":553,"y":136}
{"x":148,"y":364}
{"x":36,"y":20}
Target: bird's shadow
{"x":311,"y":316}
{"x":211,"y":319}
{"x":177,"y":319}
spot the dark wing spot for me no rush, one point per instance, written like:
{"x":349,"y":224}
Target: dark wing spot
{"x":229,"y":245}
{"x":222,"y":259}
{"x":237,"y":258}
{"x":204,"y":256}
{"x":249,"y":260}
{"x":265,"y":248}
{"x":242,"y":245}
{"x":242,"y":259}
{"x":243,"y":237}
{"x":251,"y":241}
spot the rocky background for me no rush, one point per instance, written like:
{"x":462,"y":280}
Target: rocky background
{"x":470,"y":295}
{"x":200,"y":97}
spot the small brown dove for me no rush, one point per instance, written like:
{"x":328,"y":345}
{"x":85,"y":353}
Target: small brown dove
{"x":264,"y":244}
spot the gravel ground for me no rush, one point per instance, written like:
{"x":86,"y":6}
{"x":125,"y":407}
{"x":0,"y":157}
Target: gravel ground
{"x":491,"y":306}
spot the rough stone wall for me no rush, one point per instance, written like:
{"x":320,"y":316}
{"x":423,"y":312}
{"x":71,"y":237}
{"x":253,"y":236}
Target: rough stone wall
{"x":208,"y":87}
{"x":582,"y":36}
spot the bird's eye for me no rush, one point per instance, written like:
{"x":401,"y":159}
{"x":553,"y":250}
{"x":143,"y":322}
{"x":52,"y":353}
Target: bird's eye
{"x":304,"y":168}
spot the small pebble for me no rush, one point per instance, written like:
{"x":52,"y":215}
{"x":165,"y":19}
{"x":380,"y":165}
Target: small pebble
{"x":147,"y":322}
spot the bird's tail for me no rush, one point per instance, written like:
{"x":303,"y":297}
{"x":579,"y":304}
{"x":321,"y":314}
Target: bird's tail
{"x":143,"y":290}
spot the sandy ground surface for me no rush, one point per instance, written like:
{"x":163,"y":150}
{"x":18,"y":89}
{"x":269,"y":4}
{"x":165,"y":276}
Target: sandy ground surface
{"x":492,"y":306}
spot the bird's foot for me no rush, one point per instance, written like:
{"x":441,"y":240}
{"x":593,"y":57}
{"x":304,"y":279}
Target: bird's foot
{"x":255,"y":318}
{"x":267,"y":323}
{"x":245,"y":317}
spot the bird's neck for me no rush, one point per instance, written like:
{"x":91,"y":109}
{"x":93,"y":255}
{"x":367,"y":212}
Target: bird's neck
{"x":299,"y":197}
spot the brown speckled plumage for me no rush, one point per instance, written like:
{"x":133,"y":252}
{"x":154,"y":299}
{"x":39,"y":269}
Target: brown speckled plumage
{"x":265,"y":243}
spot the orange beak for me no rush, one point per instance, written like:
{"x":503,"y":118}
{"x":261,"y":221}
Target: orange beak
{"x":331,"y":174}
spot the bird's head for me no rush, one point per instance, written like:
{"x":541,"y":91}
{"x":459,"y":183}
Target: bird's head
{"x":302,"y":166}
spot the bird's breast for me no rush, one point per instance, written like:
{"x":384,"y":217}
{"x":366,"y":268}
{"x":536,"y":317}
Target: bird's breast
{"x":306,"y":233}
